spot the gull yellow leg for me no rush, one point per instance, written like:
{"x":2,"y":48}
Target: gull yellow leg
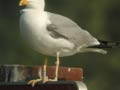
{"x":57,"y":68}
{"x":43,"y":77}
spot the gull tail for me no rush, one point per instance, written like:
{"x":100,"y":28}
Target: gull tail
{"x":105,"y":44}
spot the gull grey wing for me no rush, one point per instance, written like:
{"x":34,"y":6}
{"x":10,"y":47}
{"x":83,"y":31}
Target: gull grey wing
{"x":51,"y":28}
{"x":63,"y":27}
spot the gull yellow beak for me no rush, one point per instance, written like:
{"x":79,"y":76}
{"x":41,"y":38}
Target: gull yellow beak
{"x":23,"y":3}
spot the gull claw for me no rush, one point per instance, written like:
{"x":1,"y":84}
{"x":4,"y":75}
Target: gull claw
{"x":51,"y":80}
{"x":33,"y":82}
{"x":45,"y":80}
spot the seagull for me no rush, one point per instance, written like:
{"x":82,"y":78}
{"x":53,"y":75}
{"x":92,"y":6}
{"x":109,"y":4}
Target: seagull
{"x":55,"y":35}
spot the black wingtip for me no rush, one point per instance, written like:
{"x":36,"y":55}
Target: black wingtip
{"x":117,"y":44}
{"x":109,"y":43}
{"x":106,"y":44}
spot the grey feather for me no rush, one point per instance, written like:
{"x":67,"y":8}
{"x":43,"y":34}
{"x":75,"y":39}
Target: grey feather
{"x":52,"y":30}
{"x":63,"y":27}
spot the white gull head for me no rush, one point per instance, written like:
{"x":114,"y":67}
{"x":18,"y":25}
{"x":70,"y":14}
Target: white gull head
{"x":33,"y":4}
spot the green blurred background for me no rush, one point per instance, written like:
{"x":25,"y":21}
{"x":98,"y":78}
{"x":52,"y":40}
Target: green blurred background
{"x":100,"y":17}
